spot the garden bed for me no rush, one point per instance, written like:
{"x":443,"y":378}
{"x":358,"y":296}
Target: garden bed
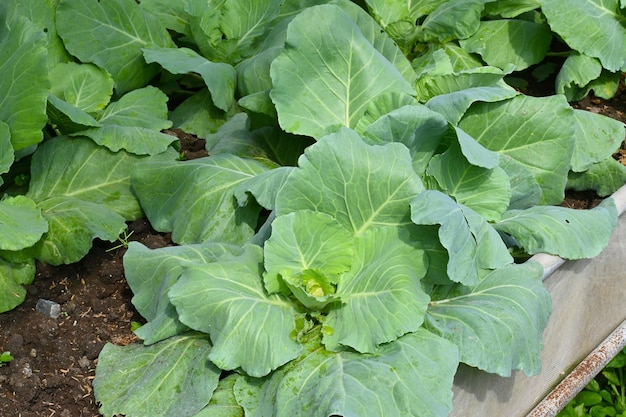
{"x":55,"y":359}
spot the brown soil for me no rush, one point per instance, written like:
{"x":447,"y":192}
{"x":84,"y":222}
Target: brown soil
{"x":55,"y":359}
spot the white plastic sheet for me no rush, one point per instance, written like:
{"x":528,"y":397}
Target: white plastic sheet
{"x":588,"y":305}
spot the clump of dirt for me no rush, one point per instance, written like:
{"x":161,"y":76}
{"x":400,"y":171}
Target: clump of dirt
{"x":55,"y":359}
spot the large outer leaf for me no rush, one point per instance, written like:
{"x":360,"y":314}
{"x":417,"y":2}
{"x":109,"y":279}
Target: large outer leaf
{"x":228,"y":30}
{"x":21,"y":223}
{"x":73,"y":225}
{"x":306,"y":240}
{"x":226,"y":299}
{"x":538,"y":132}
{"x":172,"y":378}
{"x":381,"y":295}
{"x":194,"y":199}
{"x":592,"y":27}
{"x":84,"y":86}
{"x":151,"y":274}
{"x":171,"y":14}
{"x":42,"y":14}
{"x":134,"y":122}
{"x":81,"y":169}
{"x":471,"y":242}
{"x":409,"y":377}
{"x":335,"y":69}
{"x":198,"y":115}
{"x":597,"y":138}
{"x":604,"y":177}
{"x":510,"y":41}
{"x":358,"y":184}
{"x":7,"y":156}
{"x":268,"y":144}
{"x":417,"y":127}
{"x":453,"y":105}
{"x":486,"y":191}
{"x":23,"y":82}
{"x":569,"y":233}
{"x":12,"y":277}
{"x":454,"y":19}
{"x":498,"y":323}
{"x":111,"y":34}
{"x":220,"y":78}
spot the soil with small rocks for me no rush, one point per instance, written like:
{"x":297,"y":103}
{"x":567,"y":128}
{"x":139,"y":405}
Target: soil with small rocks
{"x":55,"y":358}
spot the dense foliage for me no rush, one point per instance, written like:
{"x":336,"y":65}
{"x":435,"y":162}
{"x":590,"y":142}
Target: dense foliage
{"x":348,"y":241}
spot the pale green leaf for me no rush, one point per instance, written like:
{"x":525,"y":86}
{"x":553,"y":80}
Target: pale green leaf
{"x":67,"y":118}
{"x":268,"y":144}
{"x":7,"y":156}
{"x":577,"y":72}
{"x":471,"y":242}
{"x":198,"y":115}
{"x":78,"y":168}
{"x":454,"y":19}
{"x":21,"y":223}
{"x":605,"y":178}
{"x":336,"y":81}
{"x":537,"y":132}
{"x":150,"y":275}
{"x":73,"y":225}
{"x":525,"y":191}
{"x":303,"y":244}
{"x":359,"y":185}
{"x":42,"y":14}
{"x":220,"y":78}
{"x":12,"y":277}
{"x":498,"y":323}
{"x":135,"y":139}
{"x":510,"y":41}
{"x":264,"y":187}
{"x":23,"y":82}
{"x":381,"y":294}
{"x":606,"y":85}
{"x":226,"y":299}
{"x":486,"y":191}
{"x":133,"y":123}
{"x":446,"y":80}
{"x":84,"y":86}
{"x":171,"y":14}
{"x":597,"y":138}
{"x":510,"y":8}
{"x":111,"y":35}
{"x":410,"y":377}
{"x":592,"y":27}
{"x":453,"y":105}
{"x":375,"y":35}
{"x":229,"y":30}
{"x":180,"y":197}
{"x":223,"y":402}
{"x":172,"y":378}
{"x":143,"y":107}
{"x":562,"y":231}
{"x":418,"y":128}
{"x":381,"y":106}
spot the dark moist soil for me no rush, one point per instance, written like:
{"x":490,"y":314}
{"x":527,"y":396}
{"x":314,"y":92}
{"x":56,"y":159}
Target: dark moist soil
{"x":55,"y":359}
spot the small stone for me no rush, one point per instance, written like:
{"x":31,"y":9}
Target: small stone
{"x":48,"y":308}
{"x":84,"y":362}
{"x":33,"y":353}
